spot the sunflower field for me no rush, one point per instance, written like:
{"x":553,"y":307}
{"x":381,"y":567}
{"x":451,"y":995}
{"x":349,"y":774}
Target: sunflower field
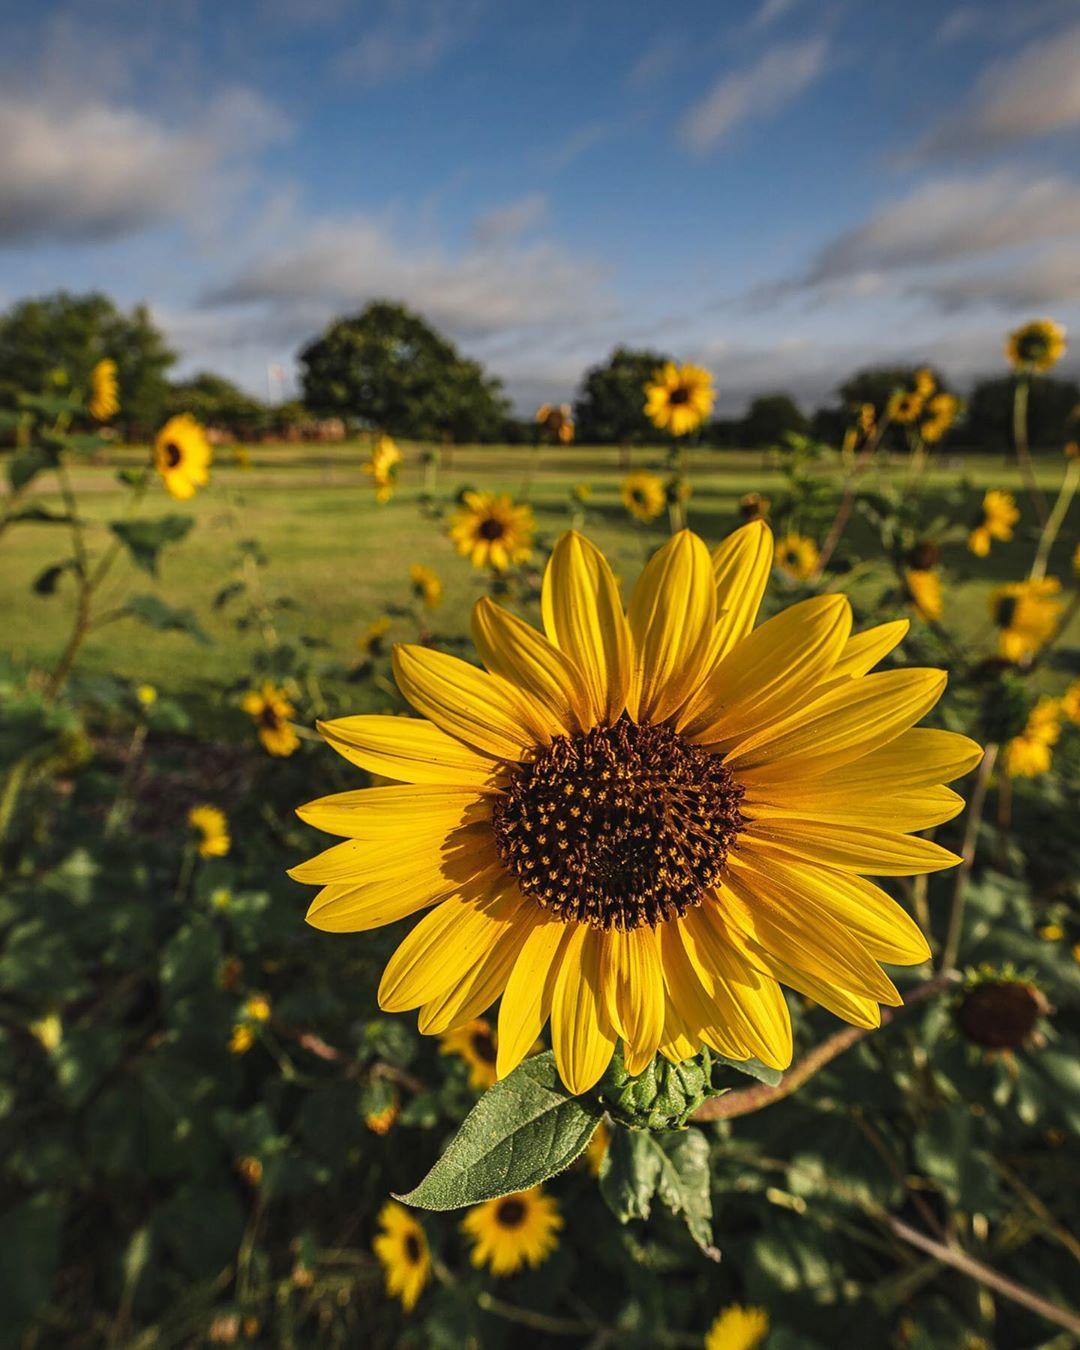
{"x":529,"y":896}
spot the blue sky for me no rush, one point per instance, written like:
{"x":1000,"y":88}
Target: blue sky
{"x":781,"y":189}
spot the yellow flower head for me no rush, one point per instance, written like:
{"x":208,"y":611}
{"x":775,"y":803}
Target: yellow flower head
{"x":182,"y":455}
{"x":904,"y":406}
{"x":1038,"y":345}
{"x":581,"y":492}
{"x":48,"y":1031}
{"x":1029,"y":754}
{"x":381,"y":1122}
{"x":1051,"y":932}
{"x":271,"y":710}
{"x":1070,"y":702}
{"x":383,"y":467}
{"x":866,"y":419}
{"x":518,"y":1230}
{"x":679,"y":398}
{"x":753,"y":506}
{"x":557,"y":420}
{"x":598,"y":1146}
{"x":924,"y":588}
{"x":738,"y":1328}
{"x":402,"y":1249}
{"x":104,"y":399}
{"x":257,"y":1008}
{"x":797,"y":556}
{"x":251,"y":1169}
{"x":426,"y":586}
{"x":1026,"y":614}
{"x":492,"y":531}
{"x":939,"y":415}
{"x":241,"y":1040}
{"x":999,"y":516}
{"x":644,"y":495}
{"x":213,"y":831}
{"x":597,"y":748}
{"x":147,"y":695}
{"x":923,"y":383}
{"x":370,"y":641}
{"x":476,"y":1044}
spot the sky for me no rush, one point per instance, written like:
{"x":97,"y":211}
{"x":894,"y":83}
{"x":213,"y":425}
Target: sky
{"x":782,"y":190}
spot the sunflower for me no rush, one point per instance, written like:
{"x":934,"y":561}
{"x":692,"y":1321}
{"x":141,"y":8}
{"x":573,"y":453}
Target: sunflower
{"x":904,"y":406}
{"x":1026,"y":613}
{"x":738,"y":1328}
{"x":923,"y":383}
{"x":1029,"y":754}
{"x":999,"y":1011}
{"x":257,"y":1008}
{"x":426,"y":586}
{"x":402,"y":1249}
{"x":638,"y":824}
{"x":597,"y":1148}
{"x":924,"y":588}
{"x":383,"y":467}
{"x":797,"y":556}
{"x":241,"y":1040}
{"x":475,"y":1043}
{"x":104,"y":401}
{"x":679,"y":398}
{"x":1070,"y":702}
{"x":999,"y":515}
{"x":182,"y":455}
{"x":753,"y":506}
{"x":493,"y":531}
{"x":940,"y":413}
{"x":518,"y":1230}
{"x":213,"y":831}
{"x":1037,"y":345}
{"x":271,"y":711}
{"x":557,"y":421}
{"x":370,"y":641}
{"x":644,"y":495}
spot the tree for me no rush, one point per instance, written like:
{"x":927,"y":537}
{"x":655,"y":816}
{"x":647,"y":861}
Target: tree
{"x":875,"y":384}
{"x":769,"y":418}
{"x":1051,"y":404}
{"x":68,"y":334}
{"x":610,"y":408}
{"x":217,"y":402}
{"x":389,"y":369}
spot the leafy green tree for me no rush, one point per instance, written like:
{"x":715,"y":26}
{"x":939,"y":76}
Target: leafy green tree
{"x":217,"y":402}
{"x":1052,"y":411}
{"x":388,"y":368}
{"x":67,"y":334}
{"x":770,"y":417}
{"x":610,"y":408}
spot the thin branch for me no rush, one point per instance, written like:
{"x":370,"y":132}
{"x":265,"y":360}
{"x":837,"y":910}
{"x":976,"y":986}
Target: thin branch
{"x":951,"y":949}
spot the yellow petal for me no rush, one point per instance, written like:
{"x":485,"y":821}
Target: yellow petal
{"x":842,"y":725}
{"x":479,"y":987}
{"x":633,"y":981}
{"x":741,"y":568}
{"x":920,"y":809}
{"x":852,"y":848}
{"x":677,"y":1042}
{"x":511,"y":649}
{"x":583,"y":616}
{"x":920,"y":758}
{"x":771,"y":672}
{"x":581,"y":1032}
{"x":409,"y":749}
{"x":672,"y":617}
{"x":700,"y":1014}
{"x":864,"y":650}
{"x":466,"y":702}
{"x":526,"y":1001}
{"x":396,"y":812}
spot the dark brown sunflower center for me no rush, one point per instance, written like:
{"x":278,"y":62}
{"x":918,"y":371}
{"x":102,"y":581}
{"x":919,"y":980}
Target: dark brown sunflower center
{"x":622,"y":826}
{"x":1000,"y":1014}
{"x":269,"y":718}
{"x":1032,"y":346}
{"x":483,"y":1044}
{"x":510,"y":1214}
{"x":679,"y":396}
{"x":491,"y":529}
{"x":172,"y":454}
{"x":1006,"y":611}
{"x":412,"y":1249}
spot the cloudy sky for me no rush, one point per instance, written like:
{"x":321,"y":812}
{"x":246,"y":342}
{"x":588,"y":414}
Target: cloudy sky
{"x":782,"y":189}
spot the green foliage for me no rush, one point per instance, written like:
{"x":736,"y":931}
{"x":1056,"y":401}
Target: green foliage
{"x":641,"y":1165}
{"x":216,"y":402}
{"x":770,"y":418}
{"x":610,"y":407}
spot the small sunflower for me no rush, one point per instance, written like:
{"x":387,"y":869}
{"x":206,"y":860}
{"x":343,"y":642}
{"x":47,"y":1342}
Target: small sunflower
{"x":213,"y":831}
{"x":557,"y":420}
{"x":939,"y":415}
{"x":476,"y":1044}
{"x":597,"y":1148}
{"x":644,"y":495}
{"x":271,"y":710}
{"x":1030,"y":753}
{"x":516,"y":1231}
{"x":104,"y":398}
{"x":797,"y":556}
{"x":679,"y":398}
{"x":426,"y":586}
{"x":924,"y":588}
{"x":147,"y":695}
{"x":1038,"y":345}
{"x":738,"y":1328}
{"x":998,"y":517}
{"x":382,"y":465}
{"x":493,"y":531}
{"x":182,"y":455}
{"x":257,"y":1008}
{"x":904,"y":406}
{"x":1026,"y":614}
{"x":637,"y":824}
{"x":241,"y":1040}
{"x":753,"y":506}
{"x":403,"y":1252}
{"x":370,"y":641}
{"x":923,"y":383}
{"x":1070,"y":702}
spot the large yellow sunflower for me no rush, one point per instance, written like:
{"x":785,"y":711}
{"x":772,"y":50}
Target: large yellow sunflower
{"x":1037,"y":345}
{"x":679,"y":398}
{"x":182,"y":456}
{"x":638,"y":823}
{"x":518,"y":1230}
{"x":403,"y":1252}
{"x":492,"y":531}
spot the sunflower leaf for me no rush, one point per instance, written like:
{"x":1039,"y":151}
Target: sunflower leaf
{"x":521,"y":1131}
{"x":144,"y":539}
{"x":753,"y":1068}
{"x":673,"y":1165}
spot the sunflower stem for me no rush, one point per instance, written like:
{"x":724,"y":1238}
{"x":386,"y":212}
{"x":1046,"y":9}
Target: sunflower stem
{"x":1021,"y":398}
{"x":847,"y":501}
{"x":1056,"y":519}
{"x":951,"y":950}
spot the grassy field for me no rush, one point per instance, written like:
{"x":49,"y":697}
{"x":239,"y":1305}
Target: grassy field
{"x":341,"y":559}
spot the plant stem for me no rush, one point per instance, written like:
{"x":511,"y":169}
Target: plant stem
{"x":951,"y":949}
{"x":1056,"y":519}
{"x":847,"y":501}
{"x":1021,"y":393}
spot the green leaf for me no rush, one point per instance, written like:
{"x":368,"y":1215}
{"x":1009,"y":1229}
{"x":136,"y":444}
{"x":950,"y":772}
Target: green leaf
{"x":41,"y":515}
{"x":673,"y":1165}
{"x":521,"y":1131}
{"x":46,"y":581}
{"x":155,"y":613}
{"x":753,"y":1068}
{"x":25,"y":465}
{"x":144,"y":539}
{"x":629,"y":1174}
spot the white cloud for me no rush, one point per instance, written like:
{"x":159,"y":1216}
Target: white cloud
{"x":92,"y":171}
{"x":408,"y":38}
{"x":1035,"y":93}
{"x":508,"y":223}
{"x":1043,"y":280}
{"x":776,"y":79}
{"x":770,"y":11}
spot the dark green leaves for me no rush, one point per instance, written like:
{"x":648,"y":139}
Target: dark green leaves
{"x":674,"y":1166}
{"x":144,"y":539}
{"x":155,"y":613}
{"x":522,"y":1131}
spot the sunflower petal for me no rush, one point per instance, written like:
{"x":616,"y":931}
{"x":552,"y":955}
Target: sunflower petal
{"x":701,"y":1016}
{"x":852,"y":848}
{"x":479,"y":987}
{"x":583,"y":616}
{"x":677,"y":1041}
{"x":516,"y":652}
{"x":409,"y":749}
{"x":864,"y":650}
{"x":741,"y":568}
{"x":633,"y":981}
{"x":581,"y":1032}
{"x":919,"y":809}
{"x":396,"y":812}
{"x":920,"y":758}
{"x":526,"y":1000}
{"x":478,"y":708}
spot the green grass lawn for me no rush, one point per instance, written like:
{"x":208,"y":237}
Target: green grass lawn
{"x":341,"y":558}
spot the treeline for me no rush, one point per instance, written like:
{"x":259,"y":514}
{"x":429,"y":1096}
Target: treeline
{"x":387,"y":368}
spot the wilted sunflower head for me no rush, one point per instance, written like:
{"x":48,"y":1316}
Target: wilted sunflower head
{"x":493,"y":531}
{"x":644,"y":495}
{"x":1000,"y":1011}
{"x":182,"y":456}
{"x":1038,"y":345}
{"x":638,"y":821}
{"x":1026,"y":614}
{"x":104,"y":399}
{"x":402,"y":1248}
{"x":271,"y":711}
{"x":516,"y":1231}
{"x":679,"y":398}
